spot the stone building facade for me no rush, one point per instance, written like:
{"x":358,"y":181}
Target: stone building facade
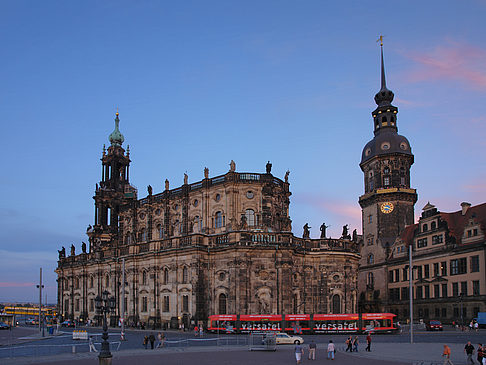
{"x":222,"y":245}
{"x":448,"y":259}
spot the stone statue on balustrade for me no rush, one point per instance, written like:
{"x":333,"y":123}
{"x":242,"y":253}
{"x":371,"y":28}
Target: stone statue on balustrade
{"x":306,"y":233}
{"x":323,"y":230}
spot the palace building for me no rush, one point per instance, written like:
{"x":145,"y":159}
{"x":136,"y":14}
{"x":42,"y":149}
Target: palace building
{"x":221,"y":245}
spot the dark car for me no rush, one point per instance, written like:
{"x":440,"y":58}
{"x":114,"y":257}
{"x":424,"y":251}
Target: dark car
{"x":434,"y":326}
{"x":68,"y":323}
{"x":4,"y":326}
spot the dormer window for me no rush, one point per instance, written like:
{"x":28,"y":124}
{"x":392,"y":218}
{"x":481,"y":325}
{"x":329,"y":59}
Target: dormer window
{"x":425,"y":228}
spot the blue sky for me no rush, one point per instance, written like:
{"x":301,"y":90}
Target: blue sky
{"x":199,"y":83}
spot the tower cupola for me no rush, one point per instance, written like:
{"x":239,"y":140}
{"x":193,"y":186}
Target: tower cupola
{"x":116,"y":138}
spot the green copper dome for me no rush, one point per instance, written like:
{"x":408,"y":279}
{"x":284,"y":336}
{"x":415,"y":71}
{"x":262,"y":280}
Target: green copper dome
{"x":116,"y":138}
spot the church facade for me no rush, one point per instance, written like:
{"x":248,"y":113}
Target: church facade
{"x":221,"y":245}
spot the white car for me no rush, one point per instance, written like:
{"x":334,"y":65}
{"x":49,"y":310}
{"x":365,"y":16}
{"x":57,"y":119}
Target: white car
{"x":283,"y":338}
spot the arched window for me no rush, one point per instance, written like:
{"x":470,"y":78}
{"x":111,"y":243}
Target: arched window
{"x":336,"y":304}
{"x":197,"y":225}
{"x":143,"y":235}
{"x":371,"y":259}
{"x":185,"y":275}
{"x":425,"y":228}
{"x":218,"y":220}
{"x":128,"y":238}
{"x":250,"y":217}
{"x":402,"y":176}
{"x":107,"y":281}
{"x":166,"y":276}
{"x":432,"y":225}
{"x":144,"y":278}
{"x":371,"y":279}
{"x":222,"y":303}
{"x":160,"y":231}
{"x":371,"y":181}
{"x":91,"y":282}
{"x":386,"y":171}
{"x":76,"y":283}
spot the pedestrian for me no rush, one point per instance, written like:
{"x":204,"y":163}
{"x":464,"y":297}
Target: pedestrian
{"x":368,"y":342}
{"x":145,"y":341}
{"x":92,"y":347}
{"x":469,"y":351}
{"x":312,"y":350}
{"x":299,"y":351}
{"x":480,"y":353}
{"x":159,"y":340}
{"x":331,"y":349}
{"x":349,"y":344}
{"x":355,"y":344}
{"x":196,"y":331}
{"x":152,"y":340}
{"x":471,"y":325}
{"x":447,"y":354}
{"x":201,"y":331}
{"x":476,"y":326}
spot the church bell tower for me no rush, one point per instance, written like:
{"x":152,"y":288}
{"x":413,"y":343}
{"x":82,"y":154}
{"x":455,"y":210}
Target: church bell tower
{"x":388,"y":201}
{"x":113,"y":191}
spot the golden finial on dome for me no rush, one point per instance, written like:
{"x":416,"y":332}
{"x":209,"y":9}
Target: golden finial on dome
{"x":117,"y":114}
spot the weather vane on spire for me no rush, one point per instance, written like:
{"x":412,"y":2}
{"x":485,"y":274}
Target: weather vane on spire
{"x":380,"y":40}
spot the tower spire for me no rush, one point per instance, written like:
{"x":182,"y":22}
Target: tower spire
{"x":384,"y":97}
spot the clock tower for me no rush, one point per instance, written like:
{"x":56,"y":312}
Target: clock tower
{"x":388,"y":201}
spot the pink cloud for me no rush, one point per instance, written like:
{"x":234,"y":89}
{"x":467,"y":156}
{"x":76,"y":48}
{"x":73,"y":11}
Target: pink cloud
{"x":454,"y":61}
{"x":15,"y":285}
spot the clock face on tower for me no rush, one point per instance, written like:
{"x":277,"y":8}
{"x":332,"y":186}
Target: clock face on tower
{"x":387,"y":207}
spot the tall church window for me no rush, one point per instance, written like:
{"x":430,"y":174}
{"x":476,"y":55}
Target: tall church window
{"x":371,"y":259}
{"x":143,"y":235}
{"x":197,"y":226}
{"x":371,"y":279}
{"x":222,"y":303}
{"x":165,"y":307}
{"x":386,"y":180}
{"x":336,"y":304}
{"x":218,"y":221}
{"x":144,"y":278}
{"x":128,"y":238}
{"x":166,"y":276}
{"x":185,"y":275}
{"x":402,"y":176}
{"x":91,"y":281}
{"x":160,"y":231}
{"x":250,"y":217}
{"x":144,"y":304}
{"x":371,"y":181}
{"x":107,"y":281}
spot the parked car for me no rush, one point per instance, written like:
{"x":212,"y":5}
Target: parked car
{"x":434,"y":326}
{"x":4,"y":326}
{"x":283,"y":338}
{"x":68,"y":323}
{"x":32,"y":321}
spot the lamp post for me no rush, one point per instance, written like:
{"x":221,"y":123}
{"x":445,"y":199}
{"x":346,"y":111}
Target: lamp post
{"x":104,"y":305}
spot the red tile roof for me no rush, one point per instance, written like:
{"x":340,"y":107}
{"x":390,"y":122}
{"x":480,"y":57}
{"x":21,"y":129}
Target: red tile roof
{"x":456,"y":222}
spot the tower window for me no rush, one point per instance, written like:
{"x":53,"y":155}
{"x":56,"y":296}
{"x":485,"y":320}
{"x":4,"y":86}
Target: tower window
{"x":386,"y":170}
{"x":371,"y":259}
{"x":218,"y":221}
{"x":160,"y":231}
{"x":250,"y":217}
{"x":386,"y":180}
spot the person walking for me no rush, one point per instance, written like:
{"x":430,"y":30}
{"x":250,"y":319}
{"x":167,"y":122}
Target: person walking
{"x":92,"y":347}
{"x":447,"y":354}
{"x":469,"y":351}
{"x":159,"y":340}
{"x":201,"y":331}
{"x":368,"y":342}
{"x":349,"y":344}
{"x":299,"y":351}
{"x":331,"y":349}
{"x":479,"y":351}
{"x":312,"y":350}
{"x":145,"y":341}
{"x":196,"y":331}
{"x":355,"y":344}
{"x":152,"y":340}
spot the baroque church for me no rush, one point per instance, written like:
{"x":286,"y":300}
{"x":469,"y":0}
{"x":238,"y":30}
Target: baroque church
{"x":221,"y":245}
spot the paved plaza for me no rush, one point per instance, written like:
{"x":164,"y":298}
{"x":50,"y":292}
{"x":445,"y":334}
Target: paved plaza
{"x":183,"y":348}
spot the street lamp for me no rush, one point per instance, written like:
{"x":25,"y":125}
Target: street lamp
{"x":104,"y":305}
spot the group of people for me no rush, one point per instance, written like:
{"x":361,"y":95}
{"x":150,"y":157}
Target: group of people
{"x":469,"y":351}
{"x":151,"y":339}
{"x":352,"y":345}
{"x":198,"y":331}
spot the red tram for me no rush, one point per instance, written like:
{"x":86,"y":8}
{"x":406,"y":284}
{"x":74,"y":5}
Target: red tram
{"x":304,"y":323}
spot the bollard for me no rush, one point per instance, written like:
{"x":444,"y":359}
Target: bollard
{"x":74,"y":349}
